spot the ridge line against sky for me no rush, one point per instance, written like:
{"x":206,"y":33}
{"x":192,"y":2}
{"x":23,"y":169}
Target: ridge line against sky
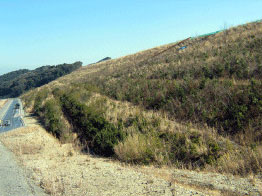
{"x":36,"y":33}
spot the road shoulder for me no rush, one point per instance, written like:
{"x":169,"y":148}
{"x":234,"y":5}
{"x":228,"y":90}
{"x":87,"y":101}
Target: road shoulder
{"x":13,"y":179}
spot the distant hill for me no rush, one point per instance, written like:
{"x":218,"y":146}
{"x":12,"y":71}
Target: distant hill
{"x":104,"y":59}
{"x":12,"y":75}
{"x":15,"y":83}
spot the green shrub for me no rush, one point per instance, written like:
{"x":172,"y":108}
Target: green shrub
{"x":39,"y":99}
{"x":93,"y":129}
{"x":52,"y":118}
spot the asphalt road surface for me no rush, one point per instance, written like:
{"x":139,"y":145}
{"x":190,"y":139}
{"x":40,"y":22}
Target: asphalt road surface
{"x":11,"y":115}
{"x":13,"y":180}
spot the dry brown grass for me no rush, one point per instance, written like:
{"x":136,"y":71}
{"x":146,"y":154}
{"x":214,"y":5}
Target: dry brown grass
{"x":2,"y":102}
{"x":135,"y":148}
{"x":115,"y":110}
{"x":244,"y":163}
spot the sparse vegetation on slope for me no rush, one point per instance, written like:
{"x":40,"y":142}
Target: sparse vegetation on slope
{"x":217,"y":81}
{"x":200,"y":107}
{"x":105,"y":127}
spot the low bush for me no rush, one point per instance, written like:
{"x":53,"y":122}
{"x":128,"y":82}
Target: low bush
{"x":140,"y":148}
{"x":93,"y":129}
{"x":39,"y":101}
{"x":52,"y":118}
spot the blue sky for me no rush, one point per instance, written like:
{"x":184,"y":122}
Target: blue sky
{"x":47,"y":32}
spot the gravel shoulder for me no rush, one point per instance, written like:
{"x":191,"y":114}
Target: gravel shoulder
{"x":13,"y":181}
{"x":61,"y":170}
{"x":226,"y":183}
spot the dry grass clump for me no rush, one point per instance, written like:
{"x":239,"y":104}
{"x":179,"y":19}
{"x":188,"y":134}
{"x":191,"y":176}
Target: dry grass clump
{"x":241,"y":162}
{"x":2,"y":102}
{"x":139,"y":148}
{"x":114,"y":111}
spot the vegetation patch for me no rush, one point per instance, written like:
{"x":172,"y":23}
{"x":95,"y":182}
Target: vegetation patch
{"x":99,"y":135}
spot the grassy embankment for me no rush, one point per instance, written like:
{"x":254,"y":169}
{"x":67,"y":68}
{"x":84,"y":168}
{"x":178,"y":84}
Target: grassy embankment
{"x":195,"y":108}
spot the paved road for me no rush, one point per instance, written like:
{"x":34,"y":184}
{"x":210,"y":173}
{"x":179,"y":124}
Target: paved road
{"x":12,"y":177}
{"x":15,"y":116}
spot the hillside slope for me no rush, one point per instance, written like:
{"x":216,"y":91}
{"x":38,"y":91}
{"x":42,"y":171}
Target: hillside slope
{"x":194,"y":104}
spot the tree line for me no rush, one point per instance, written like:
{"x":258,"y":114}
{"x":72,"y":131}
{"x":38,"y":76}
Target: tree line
{"x":15,"y":83}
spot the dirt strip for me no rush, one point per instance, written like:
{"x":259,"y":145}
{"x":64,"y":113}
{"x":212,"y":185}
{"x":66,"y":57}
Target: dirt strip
{"x":13,"y":181}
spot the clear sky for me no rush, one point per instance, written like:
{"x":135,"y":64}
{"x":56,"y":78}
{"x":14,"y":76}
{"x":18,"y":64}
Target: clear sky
{"x":47,"y":32}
